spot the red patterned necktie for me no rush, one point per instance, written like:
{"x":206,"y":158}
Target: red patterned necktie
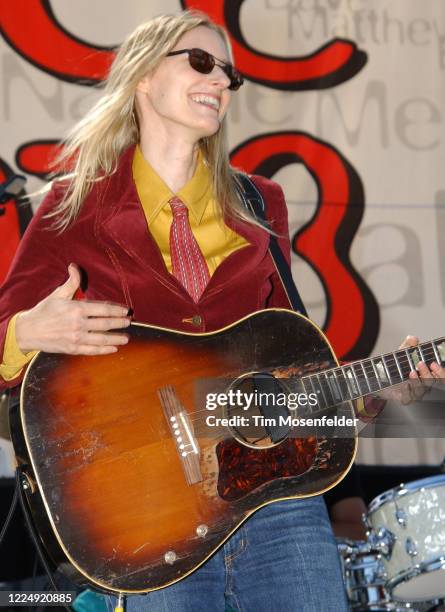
{"x":188,"y":263}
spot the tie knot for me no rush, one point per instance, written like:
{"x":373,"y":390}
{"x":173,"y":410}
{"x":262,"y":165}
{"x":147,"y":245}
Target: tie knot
{"x":179,"y":209}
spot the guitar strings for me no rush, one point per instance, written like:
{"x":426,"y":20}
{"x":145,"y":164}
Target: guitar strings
{"x":426,"y":350}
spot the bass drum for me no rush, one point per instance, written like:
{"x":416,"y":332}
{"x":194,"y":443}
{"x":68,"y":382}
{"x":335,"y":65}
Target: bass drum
{"x":407,"y":526}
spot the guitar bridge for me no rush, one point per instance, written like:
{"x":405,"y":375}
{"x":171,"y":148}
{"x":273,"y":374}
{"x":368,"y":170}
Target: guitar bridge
{"x":182,"y":433}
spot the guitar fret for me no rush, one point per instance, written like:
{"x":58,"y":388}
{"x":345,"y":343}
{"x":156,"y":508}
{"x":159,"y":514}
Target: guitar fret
{"x":343,"y":384}
{"x":398,"y":367}
{"x":352,"y":386}
{"x":441,"y":348}
{"x":332,"y":401}
{"x":382,"y":373}
{"x":366,"y":376}
{"x":314,"y":389}
{"x":410,"y":361}
{"x":304,"y":386}
{"x":337,"y":391}
{"x":357,"y":383}
{"x":372,"y":377}
{"x":376,"y":373}
{"x":393,"y":368}
{"x":429,"y":353}
{"x":436,"y":354}
{"x":428,"y":348}
{"x":422,"y":356}
{"x":326,"y":403}
{"x":403,"y":363}
{"x":363,"y":389}
{"x":386,"y":369}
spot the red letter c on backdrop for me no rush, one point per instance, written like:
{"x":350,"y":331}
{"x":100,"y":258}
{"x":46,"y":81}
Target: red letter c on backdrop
{"x":334,"y":63}
{"x":31,"y":28}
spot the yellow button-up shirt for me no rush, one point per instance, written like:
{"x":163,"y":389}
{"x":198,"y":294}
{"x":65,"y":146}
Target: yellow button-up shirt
{"x":214,"y":238}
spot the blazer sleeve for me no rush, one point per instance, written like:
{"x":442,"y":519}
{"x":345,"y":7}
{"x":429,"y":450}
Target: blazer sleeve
{"x":39,"y":266}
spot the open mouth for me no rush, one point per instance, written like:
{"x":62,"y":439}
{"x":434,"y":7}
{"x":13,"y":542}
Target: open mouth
{"x":208,"y":101}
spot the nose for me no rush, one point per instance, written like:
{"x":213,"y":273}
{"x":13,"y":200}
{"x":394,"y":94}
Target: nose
{"x":219,"y":77}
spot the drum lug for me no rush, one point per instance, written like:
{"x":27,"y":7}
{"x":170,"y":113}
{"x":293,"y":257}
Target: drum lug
{"x":384,"y":541}
{"x":410,"y":547}
{"x":401,"y":489}
{"x":401,"y":517}
{"x":365,"y":521}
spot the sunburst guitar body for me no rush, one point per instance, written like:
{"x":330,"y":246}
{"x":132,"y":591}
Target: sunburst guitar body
{"x":136,"y":478}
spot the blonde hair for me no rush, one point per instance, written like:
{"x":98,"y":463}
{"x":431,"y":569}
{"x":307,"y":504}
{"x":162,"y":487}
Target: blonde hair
{"x":92,"y":149}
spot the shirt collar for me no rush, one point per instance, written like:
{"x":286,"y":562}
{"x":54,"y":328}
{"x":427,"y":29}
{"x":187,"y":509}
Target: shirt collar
{"x":155,"y":194}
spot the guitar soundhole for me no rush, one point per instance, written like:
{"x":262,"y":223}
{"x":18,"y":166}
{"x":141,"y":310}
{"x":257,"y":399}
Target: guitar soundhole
{"x":258,"y":412}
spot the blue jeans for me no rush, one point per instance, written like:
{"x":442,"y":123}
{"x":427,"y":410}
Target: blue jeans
{"x":283,"y":559}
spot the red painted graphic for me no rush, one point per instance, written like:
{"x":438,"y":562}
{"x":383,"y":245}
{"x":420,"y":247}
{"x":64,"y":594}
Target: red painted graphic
{"x":325,"y":241}
{"x":37,"y":157}
{"x":333,"y":63}
{"x":69,"y":58}
{"x":13,"y":222}
{"x":32,"y":29}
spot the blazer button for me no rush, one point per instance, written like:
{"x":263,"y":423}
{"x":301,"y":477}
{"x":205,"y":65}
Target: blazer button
{"x":196,"y":320}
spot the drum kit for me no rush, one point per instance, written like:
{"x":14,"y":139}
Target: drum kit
{"x":401,"y":565}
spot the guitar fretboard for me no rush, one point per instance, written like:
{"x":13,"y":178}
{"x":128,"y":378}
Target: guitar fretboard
{"x":359,"y":378}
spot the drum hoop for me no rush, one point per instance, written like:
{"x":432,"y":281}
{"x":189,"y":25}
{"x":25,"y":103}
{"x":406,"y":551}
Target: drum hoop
{"x":404,"y":489}
{"x":413,"y":572}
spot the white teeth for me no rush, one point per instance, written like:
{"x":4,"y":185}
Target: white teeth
{"x":202,"y":99}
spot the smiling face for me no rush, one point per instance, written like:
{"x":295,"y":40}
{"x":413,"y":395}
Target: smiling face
{"x":179,"y":101}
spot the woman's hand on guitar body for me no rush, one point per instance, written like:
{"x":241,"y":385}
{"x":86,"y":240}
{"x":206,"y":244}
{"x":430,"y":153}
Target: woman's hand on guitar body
{"x":59,"y":324}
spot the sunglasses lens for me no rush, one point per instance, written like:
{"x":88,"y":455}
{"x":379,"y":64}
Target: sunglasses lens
{"x":204,"y":62}
{"x":236,"y":80}
{"x":201,"y":61}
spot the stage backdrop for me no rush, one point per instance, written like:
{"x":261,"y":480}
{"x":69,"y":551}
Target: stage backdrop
{"x":342,"y":105}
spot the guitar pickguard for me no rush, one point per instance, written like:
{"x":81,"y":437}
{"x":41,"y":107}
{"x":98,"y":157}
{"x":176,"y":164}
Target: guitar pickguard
{"x":243,"y":469}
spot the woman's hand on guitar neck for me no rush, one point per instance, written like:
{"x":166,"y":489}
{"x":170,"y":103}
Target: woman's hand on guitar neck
{"x":60,"y":324}
{"x":420,"y":380}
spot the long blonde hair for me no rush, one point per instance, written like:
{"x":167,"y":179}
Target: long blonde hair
{"x":92,"y":149}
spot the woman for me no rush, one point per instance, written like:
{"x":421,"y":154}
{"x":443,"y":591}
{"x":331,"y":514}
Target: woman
{"x":116,"y":220}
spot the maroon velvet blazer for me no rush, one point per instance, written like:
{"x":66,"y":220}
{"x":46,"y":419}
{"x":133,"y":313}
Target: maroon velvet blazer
{"x":122,"y":262}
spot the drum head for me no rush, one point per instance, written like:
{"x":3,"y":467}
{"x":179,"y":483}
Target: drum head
{"x":427,"y":585}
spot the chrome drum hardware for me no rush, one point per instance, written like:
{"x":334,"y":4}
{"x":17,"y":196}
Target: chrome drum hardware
{"x":365,"y":581}
{"x":407,"y":525}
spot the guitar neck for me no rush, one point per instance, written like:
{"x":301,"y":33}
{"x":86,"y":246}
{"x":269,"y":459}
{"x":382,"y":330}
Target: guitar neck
{"x":371,"y":375}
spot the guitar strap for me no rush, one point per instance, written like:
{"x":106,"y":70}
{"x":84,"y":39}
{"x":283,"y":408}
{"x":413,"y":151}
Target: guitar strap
{"x":254,"y":201}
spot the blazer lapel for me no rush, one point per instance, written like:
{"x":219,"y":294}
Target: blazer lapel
{"x":121,"y":222}
{"x":243,"y":260}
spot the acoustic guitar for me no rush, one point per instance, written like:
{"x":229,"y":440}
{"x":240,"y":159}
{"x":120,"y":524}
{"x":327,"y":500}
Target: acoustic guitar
{"x":143,"y":462}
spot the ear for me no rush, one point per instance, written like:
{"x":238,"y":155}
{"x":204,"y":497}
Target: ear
{"x":143,"y":85}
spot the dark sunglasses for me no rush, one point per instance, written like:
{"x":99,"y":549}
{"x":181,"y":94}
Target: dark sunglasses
{"x":205,"y":62}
